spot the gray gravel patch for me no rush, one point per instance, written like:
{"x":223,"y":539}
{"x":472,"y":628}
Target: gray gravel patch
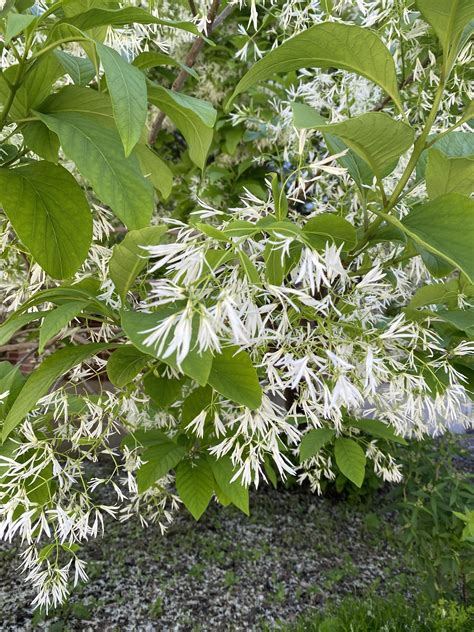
{"x":227,"y":572}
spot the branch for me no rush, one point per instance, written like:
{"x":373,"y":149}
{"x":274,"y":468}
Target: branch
{"x":214,"y":21}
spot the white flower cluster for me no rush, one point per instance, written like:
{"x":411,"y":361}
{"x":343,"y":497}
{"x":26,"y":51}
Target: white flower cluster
{"x":49,"y":491}
{"x":324,"y":344}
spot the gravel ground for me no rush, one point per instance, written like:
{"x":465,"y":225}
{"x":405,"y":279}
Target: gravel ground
{"x":227,"y":572}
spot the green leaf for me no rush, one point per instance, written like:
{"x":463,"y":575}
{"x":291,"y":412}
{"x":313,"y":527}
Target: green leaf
{"x":34,"y":88}
{"x":39,"y":382}
{"x":160,"y":459}
{"x":249,"y":268}
{"x":376,"y":137}
{"x":194,"y":118}
{"x":57,"y":319}
{"x":80,"y":69}
{"x":445,"y":227}
{"x":331,"y":44}
{"x":124,"y":364}
{"x":195,"y":365}
{"x":448,"y":175}
{"x":377,"y":429}
{"x":224,"y":471}
{"x":241,"y":228}
{"x":279,"y":198}
{"x":195,"y":485}
{"x":11,"y":381}
{"x":127,"y":88}
{"x":448,"y":19}
{"x":453,"y":145}
{"x":163,"y":391}
{"x":234,"y":376}
{"x":350,"y":459}
{"x":274,"y":264}
{"x":152,"y":59}
{"x":436,"y":266}
{"x":129,"y":257}
{"x":41,"y":140}
{"x":16,"y":24}
{"x":284,"y":228}
{"x":460,"y":318}
{"x":305,"y":116}
{"x":435,"y":293}
{"x":121,"y":17}
{"x":9,"y":327}
{"x":195,"y":402}
{"x":144,"y":437}
{"x":329,"y":227}
{"x":155,"y":170}
{"x":50,"y":215}
{"x":83,"y":123}
{"x":314,"y":440}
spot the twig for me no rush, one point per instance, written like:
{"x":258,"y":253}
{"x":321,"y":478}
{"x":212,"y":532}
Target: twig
{"x":214,"y":21}
{"x":192,"y":6}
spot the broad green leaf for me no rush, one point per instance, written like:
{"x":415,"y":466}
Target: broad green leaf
{"x":195,"y":365}
{"x":155,"y":170}
{"x":9,"y":327}
{"x":224,"y":471}
{"x":436,"y":266}
{"x":40,"y":381}
{"x":448,"y":19}
{"x":435,"y":293}
{"x":80,"y":69}
{"x":329,"y":227}
{"x":284,"y":228}
{"x":249,"y":268}
{"x":130,"y":257}
{"x":57,"y":319}
{"x":448,"y":175}
{"x":461,"y":319}
{"x":11,"y":382}
{"x":270,"y":472}
{"x":83,"y":127}
{"x":41,"y":140}
{"x":163,"y":391}
{"x":152,"y":59}
{"x":234,"y":376}
{"x":50,"y":215}
{"x":35,"y":87}
{"x":241,"y":228}
{"x":195,"y":485}
{"x":127,"y":88}
{"x":358,"y":169}
{"x":445,"y":227}
{"x":331,"y":44}
{"x":144,"y":437}
{"x":350,"y":459}
{"x":376,"y":137}
{"x":453,"y":145}
{"x":377,"y":428}
{"x":124,"y":364}
{"x":274,"y":264}
{"x":314,"y":440}
{"x":194,"y":118}
{"x":16,"y":23}
{"x":121,"y":17}
{"x":195,"y":402}
{"x":161,"y":458}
